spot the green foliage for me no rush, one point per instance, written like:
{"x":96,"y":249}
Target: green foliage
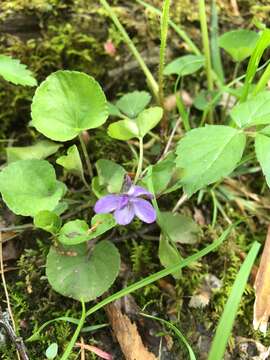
{"x":239,"y":43}
{"x":64,"y":97}
{"x":161,"y":174}
{"x":185,"y":65}
{"x":139,"y":127}
{"x":30,"y":186}
{"x":12,"y":70}
{"x":40,"y":150}
{"x":133,"y":103}
{"x":208,"y":154}
{"x":226,"y":322}
{"x":110,"y":177}
{"x":179,"y":228}
{"x":72,"y":161}
{"x":169,"y":255}
{"x":262,"y":147}
{"x":254,"y":111}
{"x":48,"y":221}
{"x":76,"y":273}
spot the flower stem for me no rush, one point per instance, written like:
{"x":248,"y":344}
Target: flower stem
{"x":86,"y":156}
{"x":140,"y":162}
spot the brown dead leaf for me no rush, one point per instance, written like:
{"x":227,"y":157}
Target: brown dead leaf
{"x":127,"y":335}
{"x":262,"y":289}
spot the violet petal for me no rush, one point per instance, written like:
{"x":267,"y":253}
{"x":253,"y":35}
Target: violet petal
{"x":125,"y":215}
{"x":107,"y":204}
{"x":144,"y":210}
{"x":139,"y":191}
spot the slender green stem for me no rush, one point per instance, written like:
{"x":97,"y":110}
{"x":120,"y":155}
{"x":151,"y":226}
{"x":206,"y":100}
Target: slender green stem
{"x":235,"y":72}
{"x":206,"y":47}
{"x":72,"y":342}
{"x":140,"y":162}
{"x":86,"y":156}
{"x":163,"y":41}
{"x":150,"y":79}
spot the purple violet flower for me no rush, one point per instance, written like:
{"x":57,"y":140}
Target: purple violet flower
{"x":128,"y":204}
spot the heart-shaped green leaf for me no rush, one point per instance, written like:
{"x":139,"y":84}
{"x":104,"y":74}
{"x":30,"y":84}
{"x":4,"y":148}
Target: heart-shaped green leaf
{"x":239,"y":43}
{"x":207,"y":154}
{"x":168,"y":255}
{"x":48,"y":221}
{"x":83,"y":276}
{"x":110,"y":175}
{"x":41,"y":150}
{"x":123,"y":130}
{"x":148,"y":119}
{"x":67,"y":103}
{"x":254,"y":111}
{"x":12,"y":70}
{"x":30,"y":186}
{"x":179,"y":228}
{"x":185,"y":65}
{"x":72,"y":161}
{"x":133,"y":103}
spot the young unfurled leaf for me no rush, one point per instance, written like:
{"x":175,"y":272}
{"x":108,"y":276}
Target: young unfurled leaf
{"x":110,"y":175}
{"x":30,"y":186}
{"x":239,"y":43}
{"x":67,"y":103}
{"x":161,"y":174}
{"x":133,"y":103}
{"x":208,"y":154}
{"x":254,"y":111}
{"x":74,"y":272}
{"x":52,"y":351}
{"x":262,"y":147}
{"x":262,"y":289}
{"x":77,"y":231}
{"x":148,"y":119}
{"x":123,"y":130}
{"x":185,"y":65}
{"x":113,"y":110}
{"x":168,"y":254}
{"x":12,"y":70}
{"x":41,"y":150}
{"x":72,"y":161}
{"x":74,"y":232}
{"x":139,"y":127}
{"x":48,"y":221}
{"x":179,"y":228}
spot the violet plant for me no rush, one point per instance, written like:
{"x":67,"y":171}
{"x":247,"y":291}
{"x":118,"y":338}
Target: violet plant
{"x":81,"y":264}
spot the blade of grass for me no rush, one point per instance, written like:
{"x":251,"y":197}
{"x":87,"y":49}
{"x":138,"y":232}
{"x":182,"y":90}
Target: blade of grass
{"x":74,"y":338}
{"x":215,"y":49}
{"x":162,"y":52}
{"x":263,"y":81}
{"x":229,"y":314}
{"x":262,"y":44}
{"x":175,"y":27}
{"x":177,"y":333}
{"x":150,"y":79}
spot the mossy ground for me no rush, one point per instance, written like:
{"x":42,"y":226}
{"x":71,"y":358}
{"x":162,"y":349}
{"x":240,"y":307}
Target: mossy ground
{"x":71,"y":35}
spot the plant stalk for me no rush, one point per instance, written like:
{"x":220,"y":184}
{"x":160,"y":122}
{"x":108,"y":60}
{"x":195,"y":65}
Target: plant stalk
{"x":86,"y":156}
{"x":140,"y":162}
